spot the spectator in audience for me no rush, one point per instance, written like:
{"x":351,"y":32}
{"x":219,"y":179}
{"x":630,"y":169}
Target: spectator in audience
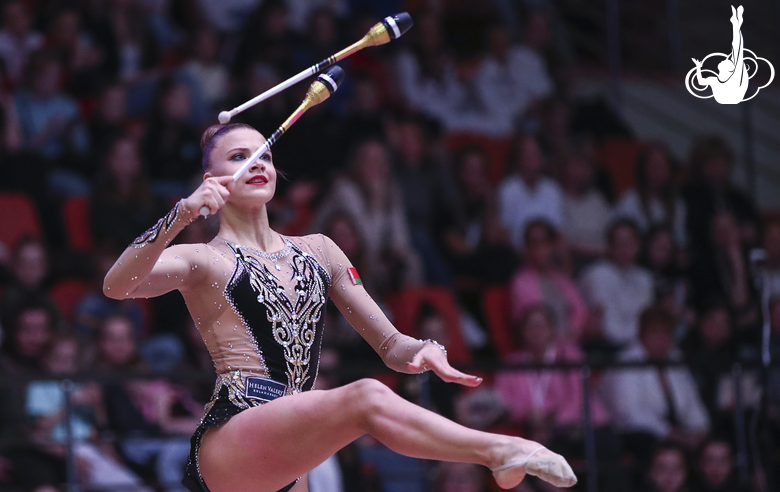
{"x":715,"y":467}
{"x":124,"y":33}
{"x":655,"y":200}
{"x":586,"y":213}
{"x":474,"y":242}
{"x":300,"y":13}
{"x":427,"y":77}
{"x":772,"y":247}
{"x":541,"y":280}
{"x":46,"y":403}
{"x":293,"y":214}
{"x":17,"y":41}
{"x":668,"y":470}
{"x":10,"y":136}
{"x":652,"y":404}
{"x":209,"y":75}
{"x":266,"y":36}
{"x":773,"y":380}
{"x":365,"y":118}
{"x":544,"y":400}
{"x":45,"y":399}
{"x":30,"y":274}
{"x":122,"y":204}
{"x":107,"y":123}
{"x":428,"y":195}
{"x":711,"y":355}
{"x":117,"y":349}
{"x":548,"y":403}
{"x":617,"y":287}
{"x":76,"y":51}
{"x":512,"y":78}
{"x":724,"y":272}
{"x":30,"y":330}
{"x":554,"y":132}
{"x":170,"y":147}
{"x":711,"y":192}
{"x":93,"y":307}
{"x":662,"y":258}
{"x":372,"y":199}
{"x":526,"y":194}
{"x":144,"y":412}
{"x":320,"y":38}
{"x":50,"y":123}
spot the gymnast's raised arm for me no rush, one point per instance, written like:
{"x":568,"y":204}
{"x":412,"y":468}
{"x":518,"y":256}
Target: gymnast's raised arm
{"x":148,"y":268}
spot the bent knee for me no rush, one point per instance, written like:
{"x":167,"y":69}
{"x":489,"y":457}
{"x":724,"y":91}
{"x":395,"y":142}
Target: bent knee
{"x":368,"y":397}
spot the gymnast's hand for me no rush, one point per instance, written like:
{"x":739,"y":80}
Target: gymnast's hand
{"x":213,"y":192}
{"x":434,"y":358}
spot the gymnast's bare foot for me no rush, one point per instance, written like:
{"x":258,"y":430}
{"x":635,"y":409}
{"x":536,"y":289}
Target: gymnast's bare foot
{"x":540,"y":462}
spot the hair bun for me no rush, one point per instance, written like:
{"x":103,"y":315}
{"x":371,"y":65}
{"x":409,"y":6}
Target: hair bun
{"x":205,"y":139}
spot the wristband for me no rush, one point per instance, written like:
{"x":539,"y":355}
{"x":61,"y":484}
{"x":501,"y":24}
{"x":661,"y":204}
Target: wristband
{"x":442,"y":347}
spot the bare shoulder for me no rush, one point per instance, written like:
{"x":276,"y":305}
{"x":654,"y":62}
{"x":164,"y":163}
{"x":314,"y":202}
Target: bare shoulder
{"x":312,"y":241}
{"x":322,"y":248}
{"x":201,"y":258}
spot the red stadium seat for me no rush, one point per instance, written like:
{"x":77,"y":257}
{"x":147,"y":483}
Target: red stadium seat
{"x":67,"y":294}
{"x":618,"y":157}
{"x":406,"y":306}
{"x":18,"y":219}
{"x":77,"y":223}
{"x":495,"y":305}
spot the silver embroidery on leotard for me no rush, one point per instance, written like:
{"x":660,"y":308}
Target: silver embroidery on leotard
{"x":293,"y":322}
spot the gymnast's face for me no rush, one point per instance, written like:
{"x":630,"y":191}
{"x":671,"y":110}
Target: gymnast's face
{"x":258,"y":184}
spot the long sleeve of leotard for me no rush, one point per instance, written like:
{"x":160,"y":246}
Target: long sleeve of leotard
{"x":351,"y":298}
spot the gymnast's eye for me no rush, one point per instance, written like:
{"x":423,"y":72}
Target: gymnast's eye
{"x":238,"y":157}
{"x":266,"y":157}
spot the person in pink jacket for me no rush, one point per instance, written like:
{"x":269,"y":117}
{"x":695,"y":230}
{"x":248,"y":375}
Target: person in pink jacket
{"x":542,"y":281}
{"x":547,"y":404}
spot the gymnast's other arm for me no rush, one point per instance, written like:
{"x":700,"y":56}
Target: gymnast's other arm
{"x":701,"y":80}
{"x":146,"y":268}
{"x":399,"y":352}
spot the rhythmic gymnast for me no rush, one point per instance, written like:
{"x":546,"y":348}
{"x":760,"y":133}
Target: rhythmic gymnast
{"x":731,"y":84}
{"x":258,"y":299}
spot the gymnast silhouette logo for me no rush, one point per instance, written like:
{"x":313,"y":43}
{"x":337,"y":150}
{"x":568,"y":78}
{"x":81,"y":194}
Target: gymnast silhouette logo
{"x":735,"y":70}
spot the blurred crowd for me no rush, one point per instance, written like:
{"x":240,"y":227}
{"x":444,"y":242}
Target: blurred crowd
{"x":481,"y":200}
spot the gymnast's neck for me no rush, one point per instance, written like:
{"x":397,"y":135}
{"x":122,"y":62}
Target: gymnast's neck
{"x":248,"y":226}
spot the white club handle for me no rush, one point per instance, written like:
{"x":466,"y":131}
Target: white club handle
{"x":225,"y":116}
{"x":204,"y":211}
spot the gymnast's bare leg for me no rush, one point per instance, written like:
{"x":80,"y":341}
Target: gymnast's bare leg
{"x":266,"y":447}
{"x":284,"y":439}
